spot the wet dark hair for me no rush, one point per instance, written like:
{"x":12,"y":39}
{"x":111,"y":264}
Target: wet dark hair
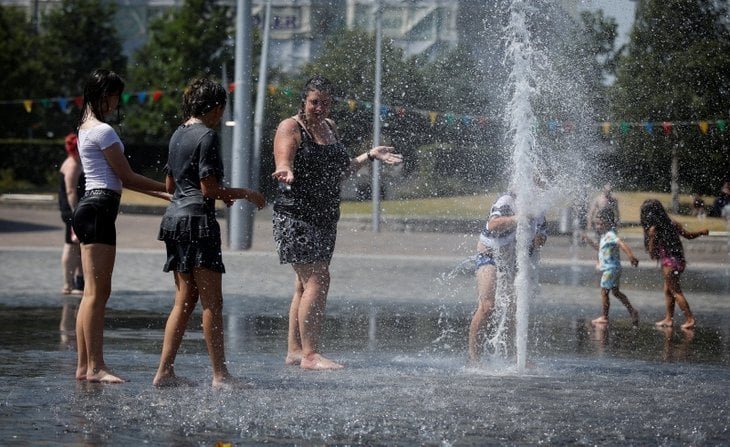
{"x":100,"y":85}
{"x":653,"y":214}
{"x":202,"y":96}
{"x":316,"y":83}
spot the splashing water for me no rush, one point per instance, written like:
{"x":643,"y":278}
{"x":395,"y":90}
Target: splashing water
{"x":521,"y":122}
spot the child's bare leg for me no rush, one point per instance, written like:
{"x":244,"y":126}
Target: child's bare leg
{"x":625,"y":301}
{"x":675,"y":289}
{"x":605,"y":307}
{"x":211,"y":297}
{"x":186,"y":296}
{"x":81,"y":360}
{"x":668,"y":299}
{"x":487,"y":289}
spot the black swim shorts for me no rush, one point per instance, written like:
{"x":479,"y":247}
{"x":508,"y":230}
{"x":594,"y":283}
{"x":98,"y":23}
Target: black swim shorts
{"x":95,"y":216}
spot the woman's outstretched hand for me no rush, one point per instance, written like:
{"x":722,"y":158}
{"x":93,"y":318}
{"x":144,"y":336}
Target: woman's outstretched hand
{"x":284,"y":176}
{"x":386,"y":154}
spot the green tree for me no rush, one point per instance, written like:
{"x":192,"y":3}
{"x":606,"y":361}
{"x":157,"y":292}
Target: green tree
{"x":409,"y":88}
{"x":348,"y":60}
{"x":24,"y":74}
{"x":189,"y":41}
{"x":599,"y":50}
{"x":77,"y":37}
{"x":48,"y":62}
{"x":676,"y":69}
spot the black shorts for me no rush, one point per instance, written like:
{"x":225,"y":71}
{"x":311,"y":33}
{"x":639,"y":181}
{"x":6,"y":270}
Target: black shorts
{"x":94,"y":217}
{"x":67,"y":217}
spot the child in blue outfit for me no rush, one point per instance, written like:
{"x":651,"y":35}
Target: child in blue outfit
{"x":609,"y":263}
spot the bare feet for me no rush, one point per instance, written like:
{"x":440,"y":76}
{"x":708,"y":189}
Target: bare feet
{"x":230,"y":383}
{"x":600,"y":320}
{"x":171,"y":381}
{"x":667,"y":322}
{"x":317,"y":362}
{"x":688,"y":323}
{"x":635,"y":317}
{"x":293,"y":358}
{"x":101,"y":375}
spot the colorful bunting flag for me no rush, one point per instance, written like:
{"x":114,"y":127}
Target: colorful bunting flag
{"x":399,"y":112}
{"x":667,"y":127}
{"x":704,"y":127}
{"x":606,"y":126}
{"x":432,"y":117}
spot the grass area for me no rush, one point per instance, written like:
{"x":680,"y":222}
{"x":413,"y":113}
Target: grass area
{"x":477,"y":207}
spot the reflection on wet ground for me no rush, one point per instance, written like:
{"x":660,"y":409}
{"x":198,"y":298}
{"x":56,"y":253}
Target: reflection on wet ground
{"x":405,"y":381}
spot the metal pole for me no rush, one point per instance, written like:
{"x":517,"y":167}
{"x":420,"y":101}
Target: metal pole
{"x":241,"y":227}
{"x":226,"y":139}
{"x":674,"y":187}
{"x":375,"y":185}
{"x":258,"y":120}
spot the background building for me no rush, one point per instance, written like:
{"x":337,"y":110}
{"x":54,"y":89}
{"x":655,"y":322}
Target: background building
{"x":300,"y":27}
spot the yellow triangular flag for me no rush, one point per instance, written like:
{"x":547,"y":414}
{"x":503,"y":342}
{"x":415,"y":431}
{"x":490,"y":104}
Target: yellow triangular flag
{"x":704,"y":127}
{"x":432,"y":117}
{"x":28,"y":104}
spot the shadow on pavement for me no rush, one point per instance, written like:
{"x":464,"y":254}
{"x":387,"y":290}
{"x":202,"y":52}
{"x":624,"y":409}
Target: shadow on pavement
{"x":13,"y":226}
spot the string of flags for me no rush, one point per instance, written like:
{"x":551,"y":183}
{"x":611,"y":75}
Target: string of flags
{"x":387,"y":112}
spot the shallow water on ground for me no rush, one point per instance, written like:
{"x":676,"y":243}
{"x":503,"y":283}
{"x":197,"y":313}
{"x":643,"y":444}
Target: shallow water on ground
{"x":405,"y":382}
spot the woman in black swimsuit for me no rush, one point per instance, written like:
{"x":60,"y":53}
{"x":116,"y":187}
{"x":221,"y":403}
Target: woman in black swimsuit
{"x":311,"y":161}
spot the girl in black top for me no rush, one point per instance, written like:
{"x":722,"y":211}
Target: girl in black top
{"x":191,"y":232}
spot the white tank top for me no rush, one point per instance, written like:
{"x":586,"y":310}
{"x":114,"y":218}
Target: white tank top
{"x":92,"y":141}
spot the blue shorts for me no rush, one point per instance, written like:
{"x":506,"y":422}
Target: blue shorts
{"x":610,"y":278}
{"x":484,"y":259}
{"x":95,"y":216}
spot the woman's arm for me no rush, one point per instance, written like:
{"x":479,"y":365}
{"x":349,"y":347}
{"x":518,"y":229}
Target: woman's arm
{"x":212,"y":189}
{"x":71,"y":181}
{"x":286,"y":142}
{"x":382,"y":153}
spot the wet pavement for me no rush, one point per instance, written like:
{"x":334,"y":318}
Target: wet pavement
{"x":397,"y":315}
